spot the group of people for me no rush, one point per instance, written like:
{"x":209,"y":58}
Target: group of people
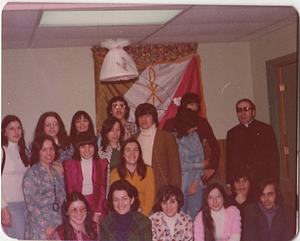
{"x":134,"y":181}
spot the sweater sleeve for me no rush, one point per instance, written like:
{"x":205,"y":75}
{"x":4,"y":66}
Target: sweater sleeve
{"x":199,"y":228}
{"x":149,"y":193}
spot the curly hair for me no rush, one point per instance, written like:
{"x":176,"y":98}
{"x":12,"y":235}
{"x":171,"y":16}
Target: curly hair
{"x":115,"y":99}
{"x":126,"y":186}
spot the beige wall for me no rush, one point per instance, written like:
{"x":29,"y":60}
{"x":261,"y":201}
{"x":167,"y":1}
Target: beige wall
{"x":62,"y":79}
{"x":271,"y":46}
{"x":38,"y":80}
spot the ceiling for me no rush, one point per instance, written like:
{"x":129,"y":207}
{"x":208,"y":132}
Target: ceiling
{"x":195,"y":24}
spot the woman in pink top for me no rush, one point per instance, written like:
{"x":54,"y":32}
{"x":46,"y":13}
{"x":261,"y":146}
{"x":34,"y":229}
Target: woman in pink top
{"x":216,"y":221}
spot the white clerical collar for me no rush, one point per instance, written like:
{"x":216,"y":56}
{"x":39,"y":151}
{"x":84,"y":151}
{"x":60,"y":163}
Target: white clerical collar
{"x":247,"y":125}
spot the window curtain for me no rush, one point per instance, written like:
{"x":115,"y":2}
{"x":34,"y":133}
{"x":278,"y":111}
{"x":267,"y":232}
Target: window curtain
{"x":145,"y":56}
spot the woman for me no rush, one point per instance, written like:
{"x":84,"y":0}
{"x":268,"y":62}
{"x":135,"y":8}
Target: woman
{"x":77,"y":222}
{"x":124,"y":222}
{"x":216,"y":220}
{"x":192,"y":159}
{"x":14,"y":165}
{"x":44,"y":190}
{"x":86,"y":173}
{"x":51,"y":124}
{"x":112,"y":133}
{"x":170,"y":223}
{"x":132,"y":168}
{"x":81,"y":122}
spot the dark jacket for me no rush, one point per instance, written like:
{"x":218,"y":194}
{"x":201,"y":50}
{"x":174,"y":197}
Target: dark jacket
{"x":254,"y":148}
{"x":140,"y":227}
{"x":256,"y":226}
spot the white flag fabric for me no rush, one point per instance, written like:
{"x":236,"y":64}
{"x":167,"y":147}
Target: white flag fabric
{"x":156,"y":85}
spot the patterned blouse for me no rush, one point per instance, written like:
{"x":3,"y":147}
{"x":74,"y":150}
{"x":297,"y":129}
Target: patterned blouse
{"x":40,"y":195}
{"x":183,"y":229}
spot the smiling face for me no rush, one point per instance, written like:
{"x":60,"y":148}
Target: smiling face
{"x":215,"y":200}
{"x":51,"y":127}
{"x":118,"y":110}
{"x":146,"y":121}
{"x":170,"y":207}
{"x":86,"y":151}
{"x":245,"y":113}
{"x":121,"y":201}
{"x":131,"y":153}
{"x":242,"y":186}
{"x":82,"y":124}
{"x":77,"y":213}
{"x":47,"y":153}
{"x":114,"y":134}
{"x":268,"y":197}
{"x":13,"y":131}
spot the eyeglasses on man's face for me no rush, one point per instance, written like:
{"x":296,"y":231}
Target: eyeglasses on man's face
{"x":245,"y":109}
{"x":120,"y":106}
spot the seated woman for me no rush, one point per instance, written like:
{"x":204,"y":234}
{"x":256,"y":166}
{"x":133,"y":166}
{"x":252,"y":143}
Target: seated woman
{"x":124,"y":222}
{"x":86,"y":173}
{"x":170,"y":223}
{"x":132,"y":168}
{"x":242,"y":194}
{"x":192,"y":161}
{"x":43,"y":189}
{"x":217,"y":221}
{"x":77,"y":223}
{"x":81,"y":122}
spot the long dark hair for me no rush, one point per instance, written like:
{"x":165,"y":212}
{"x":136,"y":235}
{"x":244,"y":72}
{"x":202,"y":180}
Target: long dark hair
{"x":208,"y":222}
{"x":37,"y":145}
{"x":108,"y":124}
{"x":88,"y":223}
{"x":141,"y":166}
{"x":84,"y":138}
{"x":126,"y":186}
{"x":62,"y":136}
{"x":77,"y":116}
{"x":4,"y":141}
{"x":185,"y":120}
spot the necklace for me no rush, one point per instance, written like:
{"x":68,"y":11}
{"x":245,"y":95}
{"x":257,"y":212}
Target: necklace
{"x":55,"y":205}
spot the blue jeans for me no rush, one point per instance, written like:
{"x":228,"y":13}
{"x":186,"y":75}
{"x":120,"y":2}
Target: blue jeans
{"x":192,"y":204}
{"x":18,"y":213}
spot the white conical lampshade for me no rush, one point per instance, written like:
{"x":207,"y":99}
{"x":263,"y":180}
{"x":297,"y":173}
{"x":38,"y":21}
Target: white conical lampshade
{"x":117,"y":65}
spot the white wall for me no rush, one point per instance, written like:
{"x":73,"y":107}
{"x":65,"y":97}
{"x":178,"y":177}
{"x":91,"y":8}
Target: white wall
{"x":38,"y":80}
{"x":226,"y":78}
{"x":271,"y":46}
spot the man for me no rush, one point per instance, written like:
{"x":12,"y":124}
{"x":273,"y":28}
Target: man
{"x":269,"y":219}
{"x":160,"y":149}
{"x":252,"y":145}
{"x":204,"y":130}
{"x":118,"y":107}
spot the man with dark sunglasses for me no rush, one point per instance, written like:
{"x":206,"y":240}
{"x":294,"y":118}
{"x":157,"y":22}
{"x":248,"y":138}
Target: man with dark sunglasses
{"x":252,"y":145}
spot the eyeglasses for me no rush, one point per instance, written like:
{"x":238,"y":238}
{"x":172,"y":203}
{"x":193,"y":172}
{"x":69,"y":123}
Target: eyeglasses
{"x":51,"y":124}
{"x":121,"y":106}
{"x":245,"y":109}
{"x":74,"y":211}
